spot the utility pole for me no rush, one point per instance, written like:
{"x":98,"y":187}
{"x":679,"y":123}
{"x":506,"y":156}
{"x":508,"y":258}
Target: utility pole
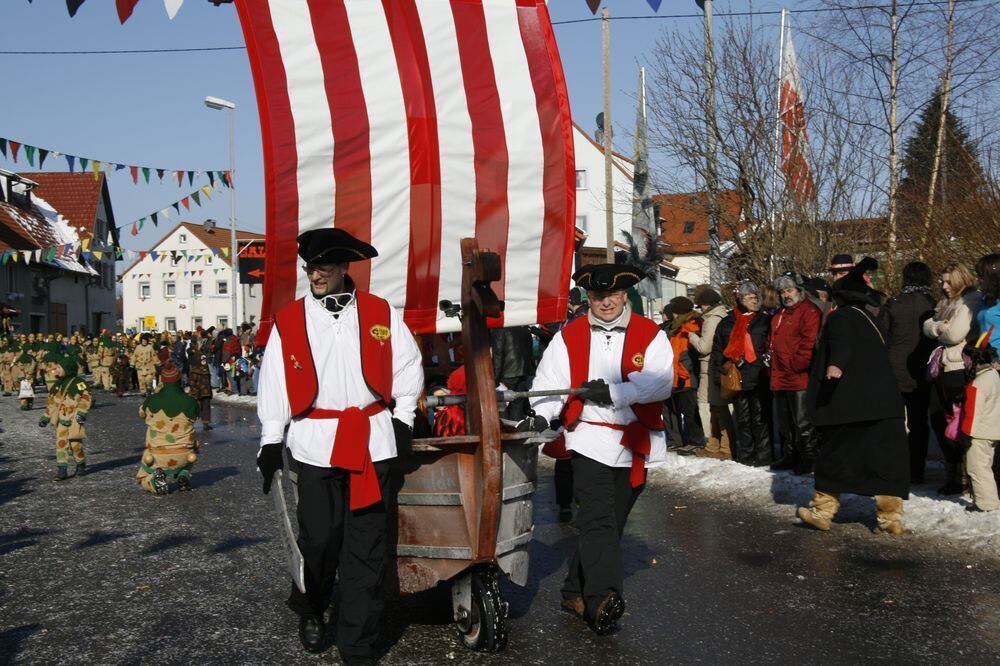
{"x":608,"y":202}
{"x":711,"y":170}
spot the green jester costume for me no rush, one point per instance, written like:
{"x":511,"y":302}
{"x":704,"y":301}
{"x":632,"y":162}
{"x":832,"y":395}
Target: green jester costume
{"x":67,"y":406}
{"x":171,"y":448}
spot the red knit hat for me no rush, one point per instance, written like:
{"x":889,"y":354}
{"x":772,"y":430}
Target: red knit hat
{"x":169,"y":373}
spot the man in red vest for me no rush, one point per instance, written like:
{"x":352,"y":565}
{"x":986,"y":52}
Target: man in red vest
{"x":613,"y":431}
{"x":343,"y":373}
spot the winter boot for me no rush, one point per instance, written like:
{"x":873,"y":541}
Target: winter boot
{"x":81,"y":469}
{"x":160,"y":483}
{"x":889,"y":515}
{"x":61,"y":474}
{"x":711,"y":449}
{"x":821,"y":511}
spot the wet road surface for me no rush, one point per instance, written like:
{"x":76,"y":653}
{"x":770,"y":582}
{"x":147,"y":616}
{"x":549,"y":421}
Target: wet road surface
{"x":94,"y":570}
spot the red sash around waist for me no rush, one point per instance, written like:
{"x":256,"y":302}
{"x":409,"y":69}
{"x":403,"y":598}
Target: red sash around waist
{"x":350,"y":450}
{"x":635,"y":438}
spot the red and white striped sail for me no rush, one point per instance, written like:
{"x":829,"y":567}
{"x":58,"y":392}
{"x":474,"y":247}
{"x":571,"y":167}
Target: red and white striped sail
{"x":792,"y":118}
{"x":413,"y":124}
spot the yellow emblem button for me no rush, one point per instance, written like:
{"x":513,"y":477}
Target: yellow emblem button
{"x":379,"y":332}
{"x":638,"y":360}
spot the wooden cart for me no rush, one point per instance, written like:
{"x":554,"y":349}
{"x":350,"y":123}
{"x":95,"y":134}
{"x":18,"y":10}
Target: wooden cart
{"x":466,"y":504}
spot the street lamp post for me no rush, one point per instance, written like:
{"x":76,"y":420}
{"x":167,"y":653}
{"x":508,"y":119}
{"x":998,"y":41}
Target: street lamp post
{"x":219,"y":104}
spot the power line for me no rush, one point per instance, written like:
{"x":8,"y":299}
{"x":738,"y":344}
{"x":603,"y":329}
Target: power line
{"x":124,"y":51}
{"x":776,"y":12}
{"x":654,"y":17}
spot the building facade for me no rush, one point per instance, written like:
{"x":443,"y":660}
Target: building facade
{"x":185,"y":282}
{"x":73,"y":288}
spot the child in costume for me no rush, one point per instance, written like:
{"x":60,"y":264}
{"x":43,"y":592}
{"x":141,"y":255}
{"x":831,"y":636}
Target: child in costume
{"x":171,"y":448}
{"x":200,"y":385}
{"x":68,"y":405}
{"x":980,"y":425}
{"x":25,"y":373}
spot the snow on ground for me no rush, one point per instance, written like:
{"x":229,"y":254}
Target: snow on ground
{"x":926,"y":513}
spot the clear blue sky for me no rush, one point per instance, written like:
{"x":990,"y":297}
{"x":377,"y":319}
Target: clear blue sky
{"x":148,"y":109}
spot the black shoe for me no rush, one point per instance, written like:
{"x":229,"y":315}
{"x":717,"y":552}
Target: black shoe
{"x":311,"y":632}
{"x":61,"y":474}
{"x":355,"y":660}
{"x":608,"y":613}
{"x":81,"y":469}
{"x":789,"y":461}
{"x":951,"y":488}
{"x":974,"y":509}
{"x":160,"y":483}
{"x":183,"y":482}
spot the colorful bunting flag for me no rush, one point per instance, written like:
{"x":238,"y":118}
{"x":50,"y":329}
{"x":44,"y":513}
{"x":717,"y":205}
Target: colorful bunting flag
{"x":29,"y":152}
{"x":14,"y":147}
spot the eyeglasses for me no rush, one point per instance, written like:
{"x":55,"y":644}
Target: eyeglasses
{"x":322,"y":270}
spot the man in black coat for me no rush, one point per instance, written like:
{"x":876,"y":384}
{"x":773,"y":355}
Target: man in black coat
{"x":854,"y":400}
{"x":903,"y":318}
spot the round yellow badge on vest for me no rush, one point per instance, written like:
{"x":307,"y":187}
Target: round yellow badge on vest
{"x":638,"y":360}
{"x":380,"y":332}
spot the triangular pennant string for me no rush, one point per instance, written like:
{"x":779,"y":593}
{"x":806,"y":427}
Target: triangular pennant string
{"x":29,"y":152}
{"x":14,"y":147}
{"x":135,"y":174}
{"x":42,"y":154}
{"x":145,"y":174}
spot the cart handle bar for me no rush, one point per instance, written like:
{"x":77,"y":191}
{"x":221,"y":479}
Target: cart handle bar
{"x":434,"y":401}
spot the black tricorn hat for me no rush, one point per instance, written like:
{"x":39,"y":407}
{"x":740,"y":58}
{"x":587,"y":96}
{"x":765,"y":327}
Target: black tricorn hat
{"x":854,"y":281}
{"x":607,"y":277}
{"x":333,"y":246}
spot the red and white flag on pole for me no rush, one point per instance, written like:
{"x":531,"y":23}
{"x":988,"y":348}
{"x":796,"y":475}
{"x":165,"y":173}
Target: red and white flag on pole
{"x":792,"y":120}
{"x":413,"y":124}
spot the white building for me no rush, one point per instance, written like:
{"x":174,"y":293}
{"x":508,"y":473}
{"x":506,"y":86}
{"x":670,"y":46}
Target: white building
{"x":684,"y":231}
{"x":590,"y":201}
{"x":185,"y":281}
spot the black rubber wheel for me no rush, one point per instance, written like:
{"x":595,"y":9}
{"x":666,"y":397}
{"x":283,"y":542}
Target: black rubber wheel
{"x":486,"y":628}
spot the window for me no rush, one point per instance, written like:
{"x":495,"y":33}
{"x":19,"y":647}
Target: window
{"x":171,"y":324}
{"x":581,"y":223}
{"x":581,"y":179}
{"x":184,"y":238}
{"x":169,"y":289}
{"x":222,"y":288}
{"x":250,"y":290}
{"x":195,"y":289}
{"x":11,"y":276}
{"x":223,"y":322}
{"x":689,"y":227}
{"x":144,"y":290}
{"x":196,"y":323}
{"x":208,"y":259}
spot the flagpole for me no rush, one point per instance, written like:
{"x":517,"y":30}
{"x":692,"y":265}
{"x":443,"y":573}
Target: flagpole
{"x":777,"y":138}
{"x":609,"y":215}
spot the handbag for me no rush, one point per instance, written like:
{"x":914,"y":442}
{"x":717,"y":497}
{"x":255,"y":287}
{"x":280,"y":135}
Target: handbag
{"x":952,"y":420}
{"x":730,"y":381}
{"x":935,"y":364}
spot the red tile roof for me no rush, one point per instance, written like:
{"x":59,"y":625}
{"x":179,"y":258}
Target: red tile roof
{"x":75,"y":195}
{"x":684,"y":220}
{"x":23,"y":230}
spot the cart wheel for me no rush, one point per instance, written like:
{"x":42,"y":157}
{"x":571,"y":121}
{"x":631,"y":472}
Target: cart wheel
{"x":485,"y":629}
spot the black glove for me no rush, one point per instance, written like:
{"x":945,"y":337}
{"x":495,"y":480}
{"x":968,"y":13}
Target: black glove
{"x":597,"y":391}
{"x":533,"y":423}
{"x":270,"y":459}
{"x":404,"y":436}
{"x":81,"y":418}
{"x":42,"y":422}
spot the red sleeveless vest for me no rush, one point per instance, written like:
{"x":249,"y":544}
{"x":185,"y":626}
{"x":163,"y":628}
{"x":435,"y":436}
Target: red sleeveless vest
{"x":638,"y":335}
{"x":300,"y":368}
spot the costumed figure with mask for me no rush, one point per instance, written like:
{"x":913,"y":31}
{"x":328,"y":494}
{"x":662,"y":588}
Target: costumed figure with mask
{"x":171,"y":449}
{"x":68,"y":405}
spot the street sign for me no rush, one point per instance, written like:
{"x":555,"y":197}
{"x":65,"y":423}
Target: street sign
{"x":251,"y":270}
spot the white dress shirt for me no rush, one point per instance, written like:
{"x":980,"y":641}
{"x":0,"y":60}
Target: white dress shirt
{"x":652,"y":384}
{"x":336,"y":349}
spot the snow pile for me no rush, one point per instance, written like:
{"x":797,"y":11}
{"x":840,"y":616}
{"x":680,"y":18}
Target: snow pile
{"x":237,"y":400}
{"x":64,"y":234}
{"x":926,"y":513}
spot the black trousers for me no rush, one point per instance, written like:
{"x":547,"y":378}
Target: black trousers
{"x":917,"y":406}
{"x":205,"y":409}
{"x":686,"y":406}
{"x":752,"y":413}
{"x":605,"y":497}
{"x":948,"y":388}
{"x":335,"y":539}
{"x":798,"y":435}
{"x":563,"y":479}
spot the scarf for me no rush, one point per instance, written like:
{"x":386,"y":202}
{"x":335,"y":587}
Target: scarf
{"x":621,"y":322}
{"x":740,"y":345}
{"x":917,"y":289}
{"x":679,"y":321}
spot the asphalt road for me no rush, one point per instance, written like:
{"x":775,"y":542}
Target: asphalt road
{"x":96,"y":571}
